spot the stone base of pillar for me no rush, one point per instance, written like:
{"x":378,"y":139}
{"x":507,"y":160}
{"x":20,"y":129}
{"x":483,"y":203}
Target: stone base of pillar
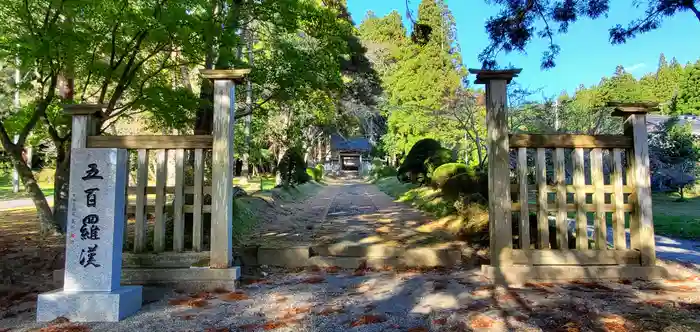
{"x":89,"y":306}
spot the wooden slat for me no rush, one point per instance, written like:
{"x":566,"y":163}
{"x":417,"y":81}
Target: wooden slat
{"x":618,"y":217}
{"x":569,"y":141}
{"x":576,"y":257}
{"x":601,"y":228}
{"x":559,"y":171}
{"x":580,"y":201}
{"x":524,"y":213}
{"x":572,"y":207}
{"x":178,"y":202}
{"x":141,"y":231}
{"x":542,"y":215}
{"x":198,"y":195}
{"x":170,"y":190}
{"x":161,"y":177}
{"x":588,"y":189}
{"x":151,"y":142}
{"x":131,"y":208}
{"x":633,"y":216}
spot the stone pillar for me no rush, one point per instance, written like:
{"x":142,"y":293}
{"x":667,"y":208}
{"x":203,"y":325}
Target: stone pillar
{"x":94,"y":239}
{"x":223,"y":164}
{"x":500,"y":223}
{"x":642,"y":219}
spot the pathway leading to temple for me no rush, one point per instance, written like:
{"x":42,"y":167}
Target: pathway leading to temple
{"x":350,"y":223}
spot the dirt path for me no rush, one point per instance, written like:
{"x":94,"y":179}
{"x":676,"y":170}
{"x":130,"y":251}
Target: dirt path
{"x":411,"y":300}
{"x":349,"y":212}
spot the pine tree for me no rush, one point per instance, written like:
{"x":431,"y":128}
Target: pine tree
{"x":689,"y":94}
{"x":662,"y":62}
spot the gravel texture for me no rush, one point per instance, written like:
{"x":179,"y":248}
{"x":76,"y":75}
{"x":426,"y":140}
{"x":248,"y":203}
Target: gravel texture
{"x":409,"y":300}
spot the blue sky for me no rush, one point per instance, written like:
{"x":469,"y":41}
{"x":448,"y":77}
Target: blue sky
{"x":586,"y":55}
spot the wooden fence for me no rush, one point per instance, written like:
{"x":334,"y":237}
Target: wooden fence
{"x":540,"y":249}
{"x":153,"y":151}
{"x":597,"y":197}
{"x":202,"y":154}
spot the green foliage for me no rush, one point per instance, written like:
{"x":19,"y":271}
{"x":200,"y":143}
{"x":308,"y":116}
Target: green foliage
{"x":315,"y":173}
{"x":446,"y":172}
{"x":471,"y":183}
{"x":292,"y":168}
{"x":519,"y":22}
{"x":689,"y":97}
{"x":418,"y":78}
{"x":674,"y":154}
{"x":319,"y":171}
{"x":423,"y":157}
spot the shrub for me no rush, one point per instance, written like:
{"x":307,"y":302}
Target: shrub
{"x":441,"y":157}
{"x":425,"y":156}
{"x":446,"y":171}
{"x":475,"y":213}
{"x":467,"y":183}
{"x":319,"y":172}
{"x":311,"y":172}
{"x":292,"y":168}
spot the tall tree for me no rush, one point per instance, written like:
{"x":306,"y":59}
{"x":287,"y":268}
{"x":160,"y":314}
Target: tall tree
{"x":519,"y":22}
{"x":689,"y":97}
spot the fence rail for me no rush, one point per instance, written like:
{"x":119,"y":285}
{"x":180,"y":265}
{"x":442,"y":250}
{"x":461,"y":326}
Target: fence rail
{"x":153,"y":154}
{"x":592,"y":196}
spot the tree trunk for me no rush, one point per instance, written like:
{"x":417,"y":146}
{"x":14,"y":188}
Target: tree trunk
{"x":32,"y":187}
{"x":61,"y":183}
{"x":249,"y":109}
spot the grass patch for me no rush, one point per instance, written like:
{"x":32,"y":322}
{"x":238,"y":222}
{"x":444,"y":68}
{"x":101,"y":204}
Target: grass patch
{"x":255,"y":184}
{"x":44,"y":178}
{"x":424,"y":198}
{"x":675,"y":218}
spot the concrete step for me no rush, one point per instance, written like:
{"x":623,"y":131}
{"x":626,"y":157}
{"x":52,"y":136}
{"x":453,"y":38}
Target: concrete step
{"x":353,"y":257}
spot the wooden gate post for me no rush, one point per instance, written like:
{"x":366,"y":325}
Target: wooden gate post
{"x":641,"y":219}
{"x":84,"y":122}
{"x":222,"y":164}
{"x":500,"y":228}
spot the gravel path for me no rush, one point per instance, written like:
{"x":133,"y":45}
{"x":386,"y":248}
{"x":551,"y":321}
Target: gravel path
{"x":407,"y":300}
{"x":410,"y":300}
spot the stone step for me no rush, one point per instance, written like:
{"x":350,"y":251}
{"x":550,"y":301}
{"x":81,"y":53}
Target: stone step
{"x":372,"y":256}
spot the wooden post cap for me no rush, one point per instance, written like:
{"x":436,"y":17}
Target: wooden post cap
{"x":236,"y":75}
{"x":84,"y":109}
{"x":484,"y":75}
{"x":627,"y":108}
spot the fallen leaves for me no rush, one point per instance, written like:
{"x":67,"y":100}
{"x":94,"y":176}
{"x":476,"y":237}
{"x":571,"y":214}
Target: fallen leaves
{"x":279,"y":324}
{"x":296,"y":311}
{"x":197,"y":303}
{"x":331,"y":311}
{"x":234,"y":296}
{"x":332,"y":270}
{"x":571,"y":327}
{"x":368,"y":319}
{"x":440,"y":321}
{"x":66,"y":328}
{"x":418,"y":329}
{"x":178,"y":301}
{"x":217,"y":329}
{"x":481,"y":322}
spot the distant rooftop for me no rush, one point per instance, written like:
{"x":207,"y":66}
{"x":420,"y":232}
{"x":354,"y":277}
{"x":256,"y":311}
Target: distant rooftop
{"x":658,"y":119}
{"x":360,"y":144}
